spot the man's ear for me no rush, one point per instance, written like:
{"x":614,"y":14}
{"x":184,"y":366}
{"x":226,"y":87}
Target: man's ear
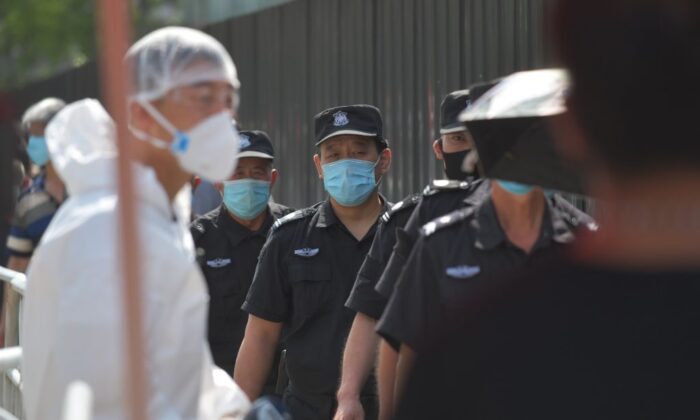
{"x":437,"y":149}
{"x":273,"y":177}
{"x":385,"y":161}
{"x":317,"y":163}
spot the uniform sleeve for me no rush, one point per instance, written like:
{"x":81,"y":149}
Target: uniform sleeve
{"x":269,"y":294}
{"x":19,"y":242}
{"x":363,"y":297}
{"x":403,"y":245}
{"x":415,"y":300}
{"x":32,"y":216}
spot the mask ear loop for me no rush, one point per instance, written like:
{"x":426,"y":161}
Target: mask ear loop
{"x":180,"y":142}
{"x":381,"y":177}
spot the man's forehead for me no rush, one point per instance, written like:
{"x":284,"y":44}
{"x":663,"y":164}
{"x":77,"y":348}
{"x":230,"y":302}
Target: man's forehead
{"x":349,"y":139}
{"x":253,"y":162}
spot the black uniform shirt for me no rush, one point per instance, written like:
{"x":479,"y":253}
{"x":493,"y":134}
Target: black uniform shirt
{"x":305,"y":273}
{"x":227,"y":254}
{"x":451,"y":253}
{"x":439,"y":198}
{"x":364,"y":298}
{"x":566,"y":340}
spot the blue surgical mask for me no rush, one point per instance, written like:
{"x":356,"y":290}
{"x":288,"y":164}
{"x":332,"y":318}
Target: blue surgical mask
{"x":516,"y":188}
{"x":349,"y":181}
{"x":38,"y":150}
{"x":246,"y":198}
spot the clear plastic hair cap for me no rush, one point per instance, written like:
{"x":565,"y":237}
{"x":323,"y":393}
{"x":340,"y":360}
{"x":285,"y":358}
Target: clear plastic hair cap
{"x":172,"y":57}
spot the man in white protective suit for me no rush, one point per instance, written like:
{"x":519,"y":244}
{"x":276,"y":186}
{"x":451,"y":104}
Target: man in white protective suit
{"x":182,"y":101}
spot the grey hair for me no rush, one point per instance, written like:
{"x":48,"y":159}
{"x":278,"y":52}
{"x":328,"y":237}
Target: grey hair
{"x":42,"y":111}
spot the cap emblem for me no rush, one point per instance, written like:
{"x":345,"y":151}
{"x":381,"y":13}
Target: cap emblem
{"x":340,"y":119}
{"x":245,"y":141}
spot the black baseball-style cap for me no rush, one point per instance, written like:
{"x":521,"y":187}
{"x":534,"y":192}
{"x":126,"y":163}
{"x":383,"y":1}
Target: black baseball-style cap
{"x":360,"y":120}
{"x":255,"y":143}
{"x":451,"y":107}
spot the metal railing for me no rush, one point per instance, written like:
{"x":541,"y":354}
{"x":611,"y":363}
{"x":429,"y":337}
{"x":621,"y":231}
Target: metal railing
{"x":11,"y":355}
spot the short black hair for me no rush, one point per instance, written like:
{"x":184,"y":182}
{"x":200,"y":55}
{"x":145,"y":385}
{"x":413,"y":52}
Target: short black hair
{"x":635,"y":66}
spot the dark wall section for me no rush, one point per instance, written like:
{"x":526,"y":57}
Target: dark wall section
{"x":401,"y":55}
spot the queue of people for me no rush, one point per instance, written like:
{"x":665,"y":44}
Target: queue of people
{"x":478,"y":297}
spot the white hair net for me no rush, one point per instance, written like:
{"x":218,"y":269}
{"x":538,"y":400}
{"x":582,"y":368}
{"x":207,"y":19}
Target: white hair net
{"x":176,"y":56}
{"x":42,"y":111}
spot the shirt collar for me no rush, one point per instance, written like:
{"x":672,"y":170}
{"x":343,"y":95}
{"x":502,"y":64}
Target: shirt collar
{"x":489,"y":233}
{"x":235,"y":231}
{"x":326,"y":217}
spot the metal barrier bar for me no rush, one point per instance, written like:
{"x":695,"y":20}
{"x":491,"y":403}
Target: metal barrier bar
{"x":11,"y":355}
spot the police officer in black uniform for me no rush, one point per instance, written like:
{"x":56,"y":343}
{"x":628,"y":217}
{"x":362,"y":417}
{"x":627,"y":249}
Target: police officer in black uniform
{"x":309,"y":264}
{"x":229,"y":240}
{"x":452,"y":148}
{"x":513,"y":226}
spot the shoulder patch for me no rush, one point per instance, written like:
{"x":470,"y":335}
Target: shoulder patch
{"x":573,"y":217}
{"x":297,"y":215}
{"x":446,"y":220}
{"x":439,"y":185}
{"x":407,"y":203}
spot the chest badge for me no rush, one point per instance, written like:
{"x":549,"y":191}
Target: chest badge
{"x":463,"y":271}
{"x":219,"y":262}
{"x":306,"y":252}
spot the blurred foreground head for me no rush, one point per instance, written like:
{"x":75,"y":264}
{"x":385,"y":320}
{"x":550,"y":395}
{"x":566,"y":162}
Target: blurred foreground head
{"x":635,"y":66}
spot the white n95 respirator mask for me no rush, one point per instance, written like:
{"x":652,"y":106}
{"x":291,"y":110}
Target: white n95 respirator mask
{"x":209,"y":149}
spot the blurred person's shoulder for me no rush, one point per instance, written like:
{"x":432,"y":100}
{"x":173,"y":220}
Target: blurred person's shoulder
{"x":399,"y":212}
{"x":443,"y":196}
{"x":440,"y":188}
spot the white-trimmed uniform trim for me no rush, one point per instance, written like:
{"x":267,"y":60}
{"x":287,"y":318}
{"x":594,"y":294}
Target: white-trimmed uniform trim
{"x":341,"y":132}
{"x":453,"y":130}
{"x":255,"y":154}
{"x":19,"y":244}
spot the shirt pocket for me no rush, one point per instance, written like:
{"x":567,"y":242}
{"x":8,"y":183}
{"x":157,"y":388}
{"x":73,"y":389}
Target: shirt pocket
{"x":223,"y":282}
{"x":311,"y":288}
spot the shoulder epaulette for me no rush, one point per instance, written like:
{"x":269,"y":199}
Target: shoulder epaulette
{"x":199,"y":226}
{"x":279,"y":211}
{"x":439,"y":185}
{"x":407,"y":203}
{"x":197,"y":229}
{"x":297,"y":215}
{"x":447,"y":220}
{"x":573,"y":216}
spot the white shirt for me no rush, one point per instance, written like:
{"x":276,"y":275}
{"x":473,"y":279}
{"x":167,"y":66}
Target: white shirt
{"x":73,"y":325}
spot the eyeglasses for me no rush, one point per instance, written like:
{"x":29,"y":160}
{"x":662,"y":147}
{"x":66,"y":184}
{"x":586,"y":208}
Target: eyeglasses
{"x":206,"y":97}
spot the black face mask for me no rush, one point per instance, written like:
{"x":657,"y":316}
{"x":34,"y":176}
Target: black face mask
{"x":453,"y":166}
